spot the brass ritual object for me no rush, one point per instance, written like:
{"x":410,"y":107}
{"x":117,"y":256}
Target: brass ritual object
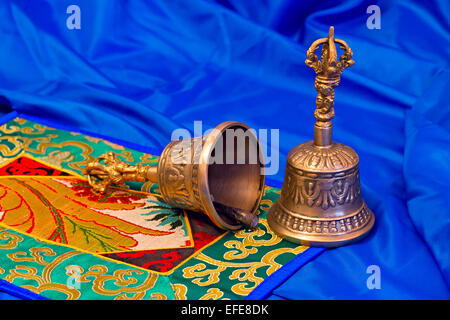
{"x":320,"y":202}
{"x":220,"y":176}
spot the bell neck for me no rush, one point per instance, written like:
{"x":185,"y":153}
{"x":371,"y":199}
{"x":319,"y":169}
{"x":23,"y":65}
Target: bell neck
{"x":151,"y":173}
{"x":139,"y":172}
{"x":323,"y":133}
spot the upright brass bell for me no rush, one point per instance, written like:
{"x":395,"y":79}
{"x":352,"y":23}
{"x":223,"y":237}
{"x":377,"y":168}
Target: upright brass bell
{"x":204,"y":174}
{"x":320,"y":202}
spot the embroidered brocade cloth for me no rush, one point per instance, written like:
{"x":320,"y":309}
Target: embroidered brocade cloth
{"x":61,"y":240}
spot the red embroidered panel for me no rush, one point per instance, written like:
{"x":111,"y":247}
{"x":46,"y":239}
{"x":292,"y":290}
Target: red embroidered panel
{"x":24,"y":166}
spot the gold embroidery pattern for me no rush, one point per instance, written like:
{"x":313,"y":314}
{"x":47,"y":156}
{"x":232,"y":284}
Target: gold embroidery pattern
{"x":20,"y":136}
{"x":180,"y":291}
{"x":247,"y":243}
{"x":244,"y":273}
{"x":122,"y":279}
{"x":14,"y":239}
{"x":236,"y":265}
{"x":49,"y":270}
{"x":212,"y":294}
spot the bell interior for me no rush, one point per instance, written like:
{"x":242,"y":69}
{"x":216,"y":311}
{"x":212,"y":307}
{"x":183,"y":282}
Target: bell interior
{"x":234,"y":172}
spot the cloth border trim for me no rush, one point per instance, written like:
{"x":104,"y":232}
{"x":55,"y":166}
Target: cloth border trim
{"x":265,"y":288}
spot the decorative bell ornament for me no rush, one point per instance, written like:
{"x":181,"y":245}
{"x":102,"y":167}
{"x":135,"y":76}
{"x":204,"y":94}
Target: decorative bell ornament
{"x":320,"y":202}
{"x":220,"y":174}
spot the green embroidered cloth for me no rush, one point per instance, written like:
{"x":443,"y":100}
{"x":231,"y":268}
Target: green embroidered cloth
{"x":59,"y":239}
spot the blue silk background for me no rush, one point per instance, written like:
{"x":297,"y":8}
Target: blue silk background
{"x":137,"y":70}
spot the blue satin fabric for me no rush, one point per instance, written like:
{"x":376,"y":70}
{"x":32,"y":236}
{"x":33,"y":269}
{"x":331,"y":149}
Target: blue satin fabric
{"x":137,"y":70}
{"x":7,"y":296}
{"x":9,"y":291}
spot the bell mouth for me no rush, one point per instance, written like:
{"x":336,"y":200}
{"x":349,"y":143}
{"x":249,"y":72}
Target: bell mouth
{"x":310,"y":236}
{"x":231,"y":171}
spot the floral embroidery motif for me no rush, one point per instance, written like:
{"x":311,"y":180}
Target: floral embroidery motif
{"x":65,"y":210}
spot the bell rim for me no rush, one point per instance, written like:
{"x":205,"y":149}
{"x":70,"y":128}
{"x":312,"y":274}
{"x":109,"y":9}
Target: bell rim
{"x":205,"y":195}
{"x":320,"y":240}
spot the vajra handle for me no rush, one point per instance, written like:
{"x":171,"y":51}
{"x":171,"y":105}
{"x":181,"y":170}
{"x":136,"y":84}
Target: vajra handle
{"x":108,"y":169}
{"x":328,"y":75}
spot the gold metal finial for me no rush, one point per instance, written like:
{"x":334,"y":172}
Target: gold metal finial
{"x":108,"y":169}
{"x":328,"y":77}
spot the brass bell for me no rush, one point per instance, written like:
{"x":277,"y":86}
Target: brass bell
{"x":320,"y":202}
{"x":220,"y":174}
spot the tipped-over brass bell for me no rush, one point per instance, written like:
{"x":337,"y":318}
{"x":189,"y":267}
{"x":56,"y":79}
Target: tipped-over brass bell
{"x":220,"y":174}
{"x":320,"y":202}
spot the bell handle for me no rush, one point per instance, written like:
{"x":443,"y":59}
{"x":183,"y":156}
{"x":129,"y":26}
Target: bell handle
{"x":107,"y":169}
{"x":328,"y":72}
